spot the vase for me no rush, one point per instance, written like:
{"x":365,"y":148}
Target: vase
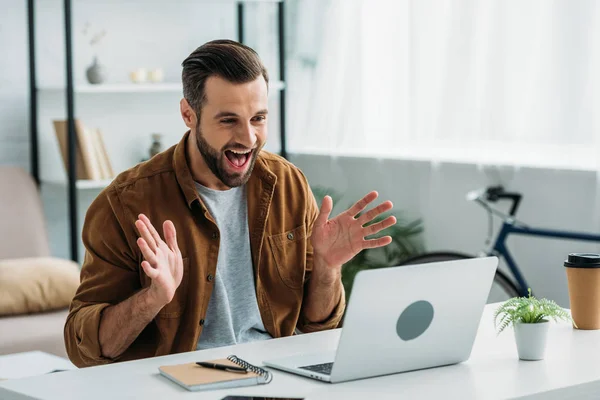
{"x":96,"y":73}
{"x":156,"y":144}
{"x":531,"y":340}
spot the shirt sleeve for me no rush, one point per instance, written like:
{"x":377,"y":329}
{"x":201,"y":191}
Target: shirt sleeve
{"x":109,"y":275}
{"x":334,"y":319}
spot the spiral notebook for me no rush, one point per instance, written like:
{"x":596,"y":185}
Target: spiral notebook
{"x":194,"y":377}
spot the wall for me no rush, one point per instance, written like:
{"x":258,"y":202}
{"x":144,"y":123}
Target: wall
{"x":14,"y":92}
{"x":436,"y":192}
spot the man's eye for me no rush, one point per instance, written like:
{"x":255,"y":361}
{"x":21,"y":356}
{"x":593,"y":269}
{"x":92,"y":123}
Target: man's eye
{"x":260,"y":118}
{"x":228,"y":121}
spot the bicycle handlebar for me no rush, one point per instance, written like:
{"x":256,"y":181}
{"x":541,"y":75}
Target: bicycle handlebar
{"x":494,"y":193}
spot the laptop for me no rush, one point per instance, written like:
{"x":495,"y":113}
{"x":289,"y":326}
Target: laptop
{"x":403,"y":319}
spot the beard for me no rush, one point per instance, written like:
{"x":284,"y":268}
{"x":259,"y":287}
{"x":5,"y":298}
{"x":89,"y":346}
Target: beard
{"x":216,"y":160}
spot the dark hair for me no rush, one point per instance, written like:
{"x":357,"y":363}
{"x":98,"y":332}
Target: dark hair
{"x":227,"y":59}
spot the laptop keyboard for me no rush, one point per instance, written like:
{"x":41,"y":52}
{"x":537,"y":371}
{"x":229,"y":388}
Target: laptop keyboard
{"x":324,"y":368}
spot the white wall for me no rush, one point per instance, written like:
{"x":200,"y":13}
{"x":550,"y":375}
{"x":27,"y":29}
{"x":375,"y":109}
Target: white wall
{"x":14,"y":92}
{"x":552,"y":198}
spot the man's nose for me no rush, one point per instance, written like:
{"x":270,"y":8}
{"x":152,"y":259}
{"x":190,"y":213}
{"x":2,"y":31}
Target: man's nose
{"x":246,"y":135}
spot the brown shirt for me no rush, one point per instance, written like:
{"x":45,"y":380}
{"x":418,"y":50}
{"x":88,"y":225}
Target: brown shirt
{"x":281,"y":214}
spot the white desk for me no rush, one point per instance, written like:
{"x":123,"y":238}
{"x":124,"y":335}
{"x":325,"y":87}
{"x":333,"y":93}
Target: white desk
{"x":493,"y":372}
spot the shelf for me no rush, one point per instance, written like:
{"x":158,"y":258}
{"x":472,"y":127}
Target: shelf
{"x":129,"y":88}
{"x":54,"y":95}
{"x":242,"y":1}
{"x":83,"y":183}
{"x":134,"y":88}
{"x":118,"y":88}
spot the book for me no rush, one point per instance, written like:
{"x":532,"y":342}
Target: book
{"x":108,"y":165}
{"x":91,"y":155}
{"x":101,"y":155}
{"x":60,"y":128}
{"x":195,"y":378}
{"x":86,"y":141}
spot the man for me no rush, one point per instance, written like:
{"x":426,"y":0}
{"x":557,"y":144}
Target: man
{"x":245,"y":254}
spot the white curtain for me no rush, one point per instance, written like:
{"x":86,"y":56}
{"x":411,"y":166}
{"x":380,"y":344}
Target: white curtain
{"x":507,"y":80}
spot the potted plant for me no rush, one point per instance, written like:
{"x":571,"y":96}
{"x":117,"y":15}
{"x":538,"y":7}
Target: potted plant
{"x":529,"y":317}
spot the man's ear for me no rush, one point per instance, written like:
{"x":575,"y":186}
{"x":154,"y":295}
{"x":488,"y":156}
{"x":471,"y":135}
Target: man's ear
{"x":188,"y":114}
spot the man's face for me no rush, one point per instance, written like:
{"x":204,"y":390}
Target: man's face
{"x":232,"y":128}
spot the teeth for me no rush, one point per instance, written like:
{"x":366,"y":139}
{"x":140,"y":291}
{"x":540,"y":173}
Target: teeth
{"x":240,"y":152}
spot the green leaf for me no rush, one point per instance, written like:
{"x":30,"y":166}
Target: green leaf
{"x":529,"y":310}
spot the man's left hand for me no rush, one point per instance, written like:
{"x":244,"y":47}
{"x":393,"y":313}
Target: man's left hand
{"x":336,"y":241}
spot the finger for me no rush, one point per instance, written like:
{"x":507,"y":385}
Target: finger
{"x":171,"y":236}
{"x":148,"y":254}
{"x":151,"y":228}
{"x":326,"y":207}
{"x":151,"y":272}
{"x":378,"y":227}
{"x":373,"y":213}
{"x":374,"y":243}
{"x":178,"y":269}
{"x":145,"y":234}
{"x":362,"y":203}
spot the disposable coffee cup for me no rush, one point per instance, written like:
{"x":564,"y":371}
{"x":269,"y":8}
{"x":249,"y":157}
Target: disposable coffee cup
{"x":583,"y":277}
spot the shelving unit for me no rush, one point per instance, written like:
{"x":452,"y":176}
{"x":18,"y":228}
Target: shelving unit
{"x":119,"y":88}
{"x":82,"y":183}
{"x":71,"y":89}
{"x":136,"y":88}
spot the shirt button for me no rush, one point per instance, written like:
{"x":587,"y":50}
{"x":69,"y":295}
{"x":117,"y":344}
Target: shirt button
{"x":202,"y":322}
{"x":210,"y":277}
{"x":215,"y":235}
{"x":290,"y":236}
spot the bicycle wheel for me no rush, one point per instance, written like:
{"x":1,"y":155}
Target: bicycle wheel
{"x":502,"y":287}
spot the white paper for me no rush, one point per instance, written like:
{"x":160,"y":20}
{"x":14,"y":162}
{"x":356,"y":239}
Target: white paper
{"x":31,"y":363}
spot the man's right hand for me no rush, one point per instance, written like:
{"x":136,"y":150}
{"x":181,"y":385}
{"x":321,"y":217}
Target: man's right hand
{"x":122,"y":323}
{"x":163,"y":262}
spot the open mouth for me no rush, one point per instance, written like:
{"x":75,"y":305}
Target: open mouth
{"x":238,"y":159}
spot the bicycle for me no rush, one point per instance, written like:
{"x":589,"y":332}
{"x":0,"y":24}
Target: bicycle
{"x":510,"y":286}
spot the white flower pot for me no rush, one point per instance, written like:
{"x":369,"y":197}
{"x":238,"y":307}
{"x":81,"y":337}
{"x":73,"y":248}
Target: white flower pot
{"x":531,"y":340}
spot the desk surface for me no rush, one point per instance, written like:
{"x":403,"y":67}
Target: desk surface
{"x":493,"y":371}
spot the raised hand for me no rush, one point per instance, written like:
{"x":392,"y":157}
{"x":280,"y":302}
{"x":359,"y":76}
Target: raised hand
{"x":163,"y":262}
{"x":336,"y":241}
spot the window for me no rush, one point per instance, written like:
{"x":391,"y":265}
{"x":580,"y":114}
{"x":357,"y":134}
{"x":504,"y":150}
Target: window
{"x":486,"y":80}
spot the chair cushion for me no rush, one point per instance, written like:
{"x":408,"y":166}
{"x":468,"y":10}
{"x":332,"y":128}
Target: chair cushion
{"x":31,"y":285}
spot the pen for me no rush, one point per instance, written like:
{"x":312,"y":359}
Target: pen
{"x":222,"y":367}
